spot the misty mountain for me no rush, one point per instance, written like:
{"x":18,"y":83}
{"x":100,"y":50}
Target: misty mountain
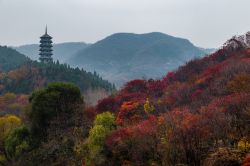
{"x":61,"y":51}
{"x":11,"y":59}
{"x":125,"y":56}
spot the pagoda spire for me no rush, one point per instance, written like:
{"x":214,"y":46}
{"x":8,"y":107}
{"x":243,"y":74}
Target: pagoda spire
{"x":46,"y":32}
{"x":46,"y":48}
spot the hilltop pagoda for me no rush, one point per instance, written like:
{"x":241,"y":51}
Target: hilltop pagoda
{"x":46,"y":48}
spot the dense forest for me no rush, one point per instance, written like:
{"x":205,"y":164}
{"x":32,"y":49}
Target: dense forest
{"x":11,"y":59}
{"x":196,"y":115}
{"x":34,"y":75}
{"x":20,"y":75}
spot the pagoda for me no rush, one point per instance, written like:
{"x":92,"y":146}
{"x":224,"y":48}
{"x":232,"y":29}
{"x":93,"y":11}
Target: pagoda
{"x":46,"y":48}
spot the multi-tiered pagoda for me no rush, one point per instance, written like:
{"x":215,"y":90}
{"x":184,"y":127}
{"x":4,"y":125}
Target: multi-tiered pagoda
{"x":46,"y":48}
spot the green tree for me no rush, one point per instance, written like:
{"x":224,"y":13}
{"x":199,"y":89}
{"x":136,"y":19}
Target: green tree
{"x":7,"y":124}
{"x":104,"y":123}
{"x":46,"y":104}
{"x":106,"y":119}
{"x":17,"y":142}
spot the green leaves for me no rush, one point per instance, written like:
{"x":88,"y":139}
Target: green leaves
{"x":17,"y":142}
{"x":56,"y":99}
{"x":104,"y":123}
{"x":106,"y":119}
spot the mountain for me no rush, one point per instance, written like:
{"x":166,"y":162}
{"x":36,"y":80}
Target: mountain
{"x":11,"y":59}
{"x":183,"y":116}
{"x":125,"y":56}
{"x":61,"y":51}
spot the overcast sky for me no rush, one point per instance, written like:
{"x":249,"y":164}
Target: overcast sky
{"x":207,"y":23}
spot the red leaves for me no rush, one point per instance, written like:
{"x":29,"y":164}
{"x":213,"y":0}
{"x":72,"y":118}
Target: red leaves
{"x":246,"y":161}
{"x":117,"y":136}
{"x":196,"y":93}
{"x":210,"y":71}
{"x":146,"y":127}
{"x":107,"y":104}
{"x":135,"y":86}
{"x":156,"y":87}
{"x":236,"y":102}
{"x":139,"y":131}
{"x":128,"y":113}
{"x":194,"y":110}
{"x":168,"y":77}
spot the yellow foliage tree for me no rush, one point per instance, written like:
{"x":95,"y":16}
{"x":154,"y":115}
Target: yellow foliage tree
{"x":240,"y":83}
{"x":7,"y":123}
{"x":148,"y":108}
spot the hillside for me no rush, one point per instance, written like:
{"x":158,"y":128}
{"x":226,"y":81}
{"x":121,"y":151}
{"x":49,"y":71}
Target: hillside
{"x":11,"y":59}
{"x":125,"y":56}
{"x":61,"y":51}
{"x":34,"y":75}
{"x":19,"y":76}
{"x":196,"y":115}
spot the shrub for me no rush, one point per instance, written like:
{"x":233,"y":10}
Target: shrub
{"x":17,"y":142}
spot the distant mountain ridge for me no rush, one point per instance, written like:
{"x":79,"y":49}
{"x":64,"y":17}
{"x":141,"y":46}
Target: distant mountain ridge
{"x":125,"y":56}
{"x":61,"y":51}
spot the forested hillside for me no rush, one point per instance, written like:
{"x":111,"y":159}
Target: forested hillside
{"x":34,"y":75}
{"x":11,"y":59}
{"x":19,"y":76}
{"x":196,"y":115}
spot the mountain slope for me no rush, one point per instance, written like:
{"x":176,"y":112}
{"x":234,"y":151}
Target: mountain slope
{"x":61,"y":51}
{"x":34,"y":75}
{"x":196,"y":115}
{"x":125,"y":56}
{"x":10,"y":59}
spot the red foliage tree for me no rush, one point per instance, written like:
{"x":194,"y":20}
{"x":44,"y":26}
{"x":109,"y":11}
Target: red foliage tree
{"x":156,"y":87}
{"x":135,"y":86}
{"x":196,"y":93}
{"x":129,"y":113}
{"x":134,"y":143}
{"x":246,"y":161}
{"x":107,"y":104}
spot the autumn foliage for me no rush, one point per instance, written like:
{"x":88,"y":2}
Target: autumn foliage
{"x":196,"y":110}
{"x":196,"y":115}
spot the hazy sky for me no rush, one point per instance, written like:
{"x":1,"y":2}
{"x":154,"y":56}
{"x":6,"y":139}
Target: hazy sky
{"x":207,"y":23}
